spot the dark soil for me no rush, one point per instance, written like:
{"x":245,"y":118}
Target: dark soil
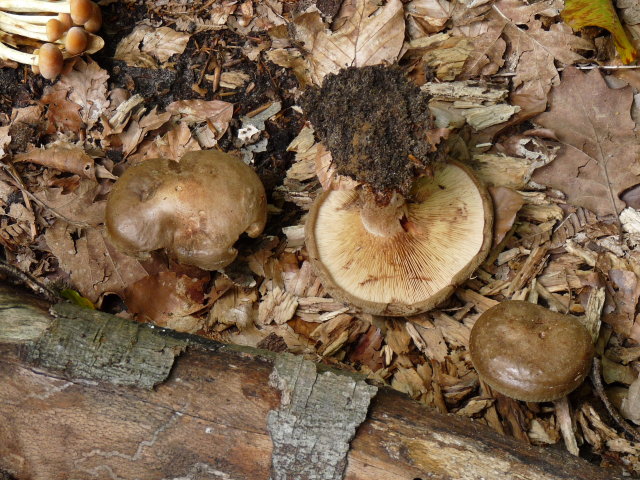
{"x":375,"y":123}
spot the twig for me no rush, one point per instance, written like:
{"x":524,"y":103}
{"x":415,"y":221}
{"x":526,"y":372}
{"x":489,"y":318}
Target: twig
{"x":19,"y":277}
{"x":603,"y":67}
{"x":596,"y":378}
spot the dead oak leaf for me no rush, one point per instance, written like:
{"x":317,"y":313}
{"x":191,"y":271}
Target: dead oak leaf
{"x":149,"y":47}
{"x":600,"y":149}
{"x":372,"y":35}
{"x":87,"y":87}
{"x":61,"y":155}
{"x":94,"y":265}
{"x":79,"y":206}
{"x":216,"y":113}
{"x":488,"y":47}
{"x":63,"y":115}
{"x":533,"y":56}
{"x":177,"y":141}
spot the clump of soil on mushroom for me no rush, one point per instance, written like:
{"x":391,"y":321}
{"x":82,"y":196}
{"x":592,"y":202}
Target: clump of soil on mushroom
{"x":374,"y":122}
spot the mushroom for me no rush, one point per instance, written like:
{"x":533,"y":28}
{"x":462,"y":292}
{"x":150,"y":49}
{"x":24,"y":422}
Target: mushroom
{"x":195,"y":209}
{"x":39,"y":27}
{"x":530,"y":353}
{"x":406,"y":256}
{"x":48,"y":58}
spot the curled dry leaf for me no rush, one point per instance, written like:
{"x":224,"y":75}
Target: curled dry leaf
{"x":326,"y":172}
{"x":216,"y":113}
{"x":175,"y":295}
{"x":600,"y":151}
{"x":63,"y":115}
{"x":86,"y":85}
{"x":506,"y":204}
{"x":5,"y":139}
{"x":158,"y":45}
{"x":173,"y":144}
{"x":372,"y":35}
{"x":62,"y":156}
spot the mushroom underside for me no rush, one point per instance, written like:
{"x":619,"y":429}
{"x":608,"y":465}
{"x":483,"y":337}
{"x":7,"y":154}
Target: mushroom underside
{"x":445,"y":235}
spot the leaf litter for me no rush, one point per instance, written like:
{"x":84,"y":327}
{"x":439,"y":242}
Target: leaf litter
{"x":556,"y":145}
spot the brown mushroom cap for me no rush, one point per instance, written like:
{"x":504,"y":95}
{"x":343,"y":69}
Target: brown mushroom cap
{"x":95,"y":21}
{"x":530,"y":353}
{"x":412,"y":266}
{"x":81,"y":11}
{"x":76,"y":41}
{"x":195,"y":209}
{"x":50,"y":61}
{"x":55,"y":29}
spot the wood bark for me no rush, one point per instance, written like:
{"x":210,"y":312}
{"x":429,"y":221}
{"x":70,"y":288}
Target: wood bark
{"x":209,"y":419}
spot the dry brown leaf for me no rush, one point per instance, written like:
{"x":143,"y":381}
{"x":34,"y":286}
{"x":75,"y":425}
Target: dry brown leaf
{"x":78,"y":206}
{"x":216,"y":113}
{"x":164,"y":42}
{"x":158,"y":45}
{"x":5,"y":139}
{"x":600,"y":149}
{"x":534,"y":53}
{"x":293,"y":59}
{"x":94,"y":265}
{"x":138,"y":128}
{"x":488,"y":48}
{"x":506,"y":204}
{"x":175,"y":295}
{"x":87,"y":87}
{"x":372,"y":35}
{"x":427,"y":16}
{"x":173,"y":144}
{"x":62,"y":156}
{"x":63,"y":115}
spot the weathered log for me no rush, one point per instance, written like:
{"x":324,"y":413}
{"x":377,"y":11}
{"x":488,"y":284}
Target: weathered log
{"x":208,"y":417}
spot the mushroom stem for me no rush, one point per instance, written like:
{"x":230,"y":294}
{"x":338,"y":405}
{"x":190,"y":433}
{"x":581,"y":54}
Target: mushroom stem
{"x":35,"y":6}
{"x":25,"y":29}
{"x":382,"y":220}
{"x":31,"y":19}
{"x":48,"y":59}
{"x":7,"y":53}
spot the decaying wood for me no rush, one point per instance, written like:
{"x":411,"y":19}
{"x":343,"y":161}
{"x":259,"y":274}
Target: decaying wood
{"x":208,"y":419}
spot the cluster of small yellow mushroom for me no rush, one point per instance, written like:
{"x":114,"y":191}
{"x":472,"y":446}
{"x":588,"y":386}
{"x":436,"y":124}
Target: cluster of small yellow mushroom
{"x":44,"y":33}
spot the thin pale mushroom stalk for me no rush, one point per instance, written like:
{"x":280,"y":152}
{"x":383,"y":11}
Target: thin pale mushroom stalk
{"x":21,"y":26}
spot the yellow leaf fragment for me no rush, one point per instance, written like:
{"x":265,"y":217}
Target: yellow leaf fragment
{"x":600,"y":13}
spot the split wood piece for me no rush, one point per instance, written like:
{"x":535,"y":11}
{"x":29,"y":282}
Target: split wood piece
{"x":209,"y":419}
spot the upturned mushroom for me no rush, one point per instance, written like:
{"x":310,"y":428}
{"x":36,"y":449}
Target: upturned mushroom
{"x":530,"y":353}
{"x":195,"y":209}
{"x":407,"y":256}
{"x":416,"y":227}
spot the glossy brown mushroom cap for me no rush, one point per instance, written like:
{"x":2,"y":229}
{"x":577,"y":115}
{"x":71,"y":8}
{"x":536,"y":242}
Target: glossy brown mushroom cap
{"x":195,"y":209}
{"x":55,"y":29}
{"x":530,"y":353}
{"x":50,"y":61}
{"x":95,"y":21}
{"x":81,"y":11}
{"x":76,"y":41}
{"x":441,"y":235}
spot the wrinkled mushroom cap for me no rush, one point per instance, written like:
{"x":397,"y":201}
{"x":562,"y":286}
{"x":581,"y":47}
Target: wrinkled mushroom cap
{"x":195,"y":209}
{"x":530,"y":353}
{"x":445,"y":236}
